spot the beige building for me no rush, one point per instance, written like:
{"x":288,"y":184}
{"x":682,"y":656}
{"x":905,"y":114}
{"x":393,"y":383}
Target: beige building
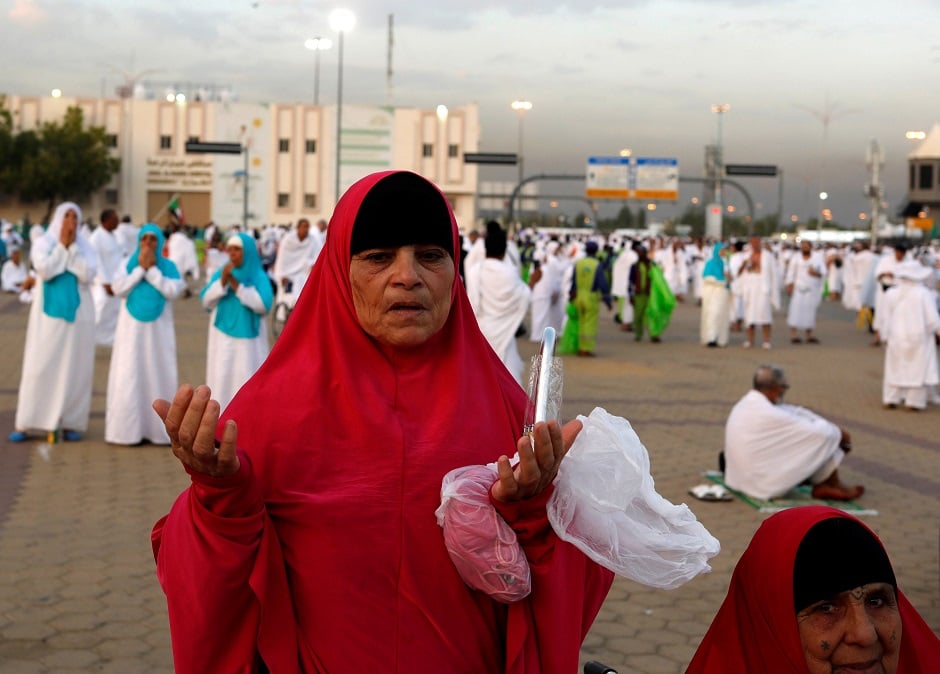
{"x":922,"y":206}
{"x":290,"y":166}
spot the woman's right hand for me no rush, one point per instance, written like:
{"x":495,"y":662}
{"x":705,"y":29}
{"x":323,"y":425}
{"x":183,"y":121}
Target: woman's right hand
{"x":190,"y":421}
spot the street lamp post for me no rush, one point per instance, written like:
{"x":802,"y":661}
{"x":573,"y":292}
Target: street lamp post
{"x":341,"y":20}
{"x":521,"y":107}
{"x":720,"y":110}
{"x":317,"y":44}
{"x":822,"y":214}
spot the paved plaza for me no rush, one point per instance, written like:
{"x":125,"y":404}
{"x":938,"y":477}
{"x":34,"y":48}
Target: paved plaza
{"x":78,"y":592}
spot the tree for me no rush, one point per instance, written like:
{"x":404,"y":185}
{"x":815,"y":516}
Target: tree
{"x":70,"y":162}
{"x":625,"y":218}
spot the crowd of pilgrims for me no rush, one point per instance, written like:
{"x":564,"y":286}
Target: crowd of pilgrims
{"x":114,"y":284}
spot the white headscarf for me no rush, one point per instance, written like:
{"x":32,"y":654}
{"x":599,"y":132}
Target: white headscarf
{"x":44,"y":244}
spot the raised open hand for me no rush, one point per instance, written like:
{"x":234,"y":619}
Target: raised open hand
{"x":190,"y":422}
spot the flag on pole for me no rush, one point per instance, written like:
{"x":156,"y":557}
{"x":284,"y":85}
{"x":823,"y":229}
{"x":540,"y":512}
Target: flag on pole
{"x":175,"y":210}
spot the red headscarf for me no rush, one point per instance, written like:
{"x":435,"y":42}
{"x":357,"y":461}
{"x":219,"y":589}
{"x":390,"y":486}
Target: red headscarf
{"x":348,"y":445}
{"x":755,"y":630}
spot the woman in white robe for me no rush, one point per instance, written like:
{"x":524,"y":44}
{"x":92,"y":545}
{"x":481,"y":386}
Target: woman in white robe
{"x":714,"y":327}
{"x":910,"y":325}
{"x":143,"y":357}
{"x":59,"y":355}
{"x":238,"y":295}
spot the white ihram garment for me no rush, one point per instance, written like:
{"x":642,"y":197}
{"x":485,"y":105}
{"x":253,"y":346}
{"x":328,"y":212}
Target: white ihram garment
{"x":759,"y":292}
{"x":548,"y":305}
{"x":500,"y":299}
{"x":910,"y":323}
{"x":110,"y":260}
{"x":182,"y":252}
{"x":770,"y":449}
{"x":294,"y":260}
{"x":143,"y":363}
{"x":807,"y":291}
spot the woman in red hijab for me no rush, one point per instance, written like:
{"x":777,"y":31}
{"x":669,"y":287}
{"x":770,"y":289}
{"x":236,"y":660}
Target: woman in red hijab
{"x":307,"y":541}
{"x":815,"y":593}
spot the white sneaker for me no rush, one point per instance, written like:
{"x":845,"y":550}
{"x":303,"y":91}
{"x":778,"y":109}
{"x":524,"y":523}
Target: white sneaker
{"x":746,"y":345}
{"x":766,"y":345}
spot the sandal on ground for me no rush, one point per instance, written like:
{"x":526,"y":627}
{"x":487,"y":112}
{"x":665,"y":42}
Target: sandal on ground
{"x":711,"y":492}
{"x":812,"y":340}
{"x":796,"y":340}
{"x":17,"y":436}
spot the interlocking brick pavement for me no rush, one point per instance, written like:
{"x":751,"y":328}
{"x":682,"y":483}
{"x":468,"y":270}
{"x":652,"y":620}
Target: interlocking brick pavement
{"x":78,"y":591}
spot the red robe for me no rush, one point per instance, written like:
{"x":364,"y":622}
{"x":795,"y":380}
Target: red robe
{"x":323,"y":553}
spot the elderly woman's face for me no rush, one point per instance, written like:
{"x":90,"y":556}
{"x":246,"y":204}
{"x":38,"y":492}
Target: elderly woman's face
{"x":402,"y":295}
{"x":857,"y":631}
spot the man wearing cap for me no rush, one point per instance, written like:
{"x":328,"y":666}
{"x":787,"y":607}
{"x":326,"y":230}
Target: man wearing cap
{"x":910,"y":325}
{"x":772,"y":447}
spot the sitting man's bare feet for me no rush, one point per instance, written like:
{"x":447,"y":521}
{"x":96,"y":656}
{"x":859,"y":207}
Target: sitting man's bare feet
{"x":832,"y":489}
{"x":827,"y":492}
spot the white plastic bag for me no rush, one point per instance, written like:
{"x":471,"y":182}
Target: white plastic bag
{"x":482,"y":546}
{"x":606,"y":505}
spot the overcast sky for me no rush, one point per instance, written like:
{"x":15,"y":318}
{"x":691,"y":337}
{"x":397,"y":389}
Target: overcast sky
{"x":602,"y":76}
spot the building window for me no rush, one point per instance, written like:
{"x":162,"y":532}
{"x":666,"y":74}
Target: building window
{"x":427,"y":150}
{"x":926,"y":177}
{"x":283,"y":200}
{"x":111,"y":197}
{"x":311,"y":147}
{"x":310,"y":201}
{"x":166,"y":142}
{"x":111,"y":140}
{"x":283,"y":145}
{"x":453,"y":150}
{"x":193,"y":139}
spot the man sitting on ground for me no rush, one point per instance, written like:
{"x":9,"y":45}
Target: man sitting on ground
{"x":771,"y":447}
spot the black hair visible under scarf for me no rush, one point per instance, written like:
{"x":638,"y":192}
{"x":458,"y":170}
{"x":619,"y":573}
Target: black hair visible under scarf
{"x":836,"y":555}
{"x":402,"y":209}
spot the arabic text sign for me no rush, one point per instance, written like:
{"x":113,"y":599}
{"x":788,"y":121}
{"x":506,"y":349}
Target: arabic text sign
{"x":633,"y":178}
{"x":608,"y":177}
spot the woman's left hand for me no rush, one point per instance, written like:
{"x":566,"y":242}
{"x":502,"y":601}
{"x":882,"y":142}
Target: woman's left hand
{"x":539,"y":459}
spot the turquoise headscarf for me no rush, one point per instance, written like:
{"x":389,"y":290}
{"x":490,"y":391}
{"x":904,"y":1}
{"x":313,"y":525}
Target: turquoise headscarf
{"x":60,"y":298}
{"x":145,"y":303}
{"x":231,"y":316}
{"x":715,"y":267}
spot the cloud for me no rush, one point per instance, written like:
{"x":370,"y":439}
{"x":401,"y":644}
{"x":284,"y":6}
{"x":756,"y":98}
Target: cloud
{"x":26,"y":11}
